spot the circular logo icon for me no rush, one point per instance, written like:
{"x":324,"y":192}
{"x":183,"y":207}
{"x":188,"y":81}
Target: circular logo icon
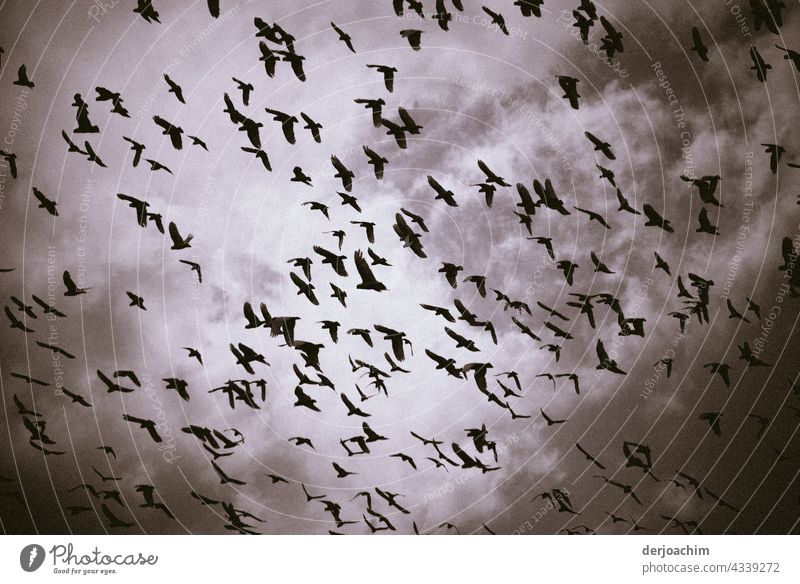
{"x":31,"y":557}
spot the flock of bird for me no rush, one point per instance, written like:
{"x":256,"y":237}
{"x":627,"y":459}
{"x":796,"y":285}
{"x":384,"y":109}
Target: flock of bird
{"x":339,"y":272}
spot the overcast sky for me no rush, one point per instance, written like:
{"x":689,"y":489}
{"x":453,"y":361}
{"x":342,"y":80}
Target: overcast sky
{"x":478,"y":94}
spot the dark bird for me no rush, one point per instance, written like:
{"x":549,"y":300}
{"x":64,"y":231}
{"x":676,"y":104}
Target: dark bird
{"x":76,"y":398}
{"x":667,"y":363}
{"x":302,"y":441}
{"x":627,"y":489}
{"x":195,"y":267}
{"x":85,"y":125}
{"x":148,"y":425}
{"x":92,"y":156}
{"x":661,"y":264}
{"x":174,"y":132}
{"x":377,"y":161}
{"x":195,"y":142}
{"x":600,"y":146}
{"x":300,"y":176}
{"x":442,"y":193}
{"x":752,"y":306}
{"x":287,"y":123}
{"x":612,"y":42}
{"x":343,"y":173}
{"x":115,"y":522}
{"x":759,"y":65}
{"x":48,"y":309}
{"x":416,"y":219}
{"x":607,"y":174}
{"x":763,"y":423}
{"x":569,"y":86}
{"x":461,"y":342}
{"x":174,"y":88}
{"x":409,"y":238}
{"x":15,"y":322}
{"x":439,"y":311}
{"x":29,"y":379}
{"x":22,"y":78}
{"x":593,"y":216}
{"x":792,"y":56}
{"x":148,"y":493}
{"x":333,"y":260}
{"x":260,"y":155}
{"x":547,"y":196}
{"x":775,"y":152}
{"x":313,"y":127}
{"x":178,"y":241}
{"x":332,"y":327}
{"x":245,"y":88}
{"x":145,"y":9}
{"x":733,"y":313}
{"x":600,"y":266}
{"x":194,"y":353}
{"x":487,"y":190}
{"x":568,"y":268}
{"x":72,"y":288}
{"x":524,"y":329}
{"x":497,"y":19}
{"x":344,"y":37}
{"x":136,"y":300}
{"x":115,"y":98}
{"x":352,"y":410}
{"x":137,"y":150}
{"x":721,"y":369}
{"x":451,"y":273}
{"x":624,"y":205}
{"x":224,"y":479}
{"x":712,"y":418}
{"x":23,"y":410}
{"x":414,"y":38}
{"x":105,"y":478}
{"x":605,"y":361}
{"x":698,"y":46}
{"x":305,"y":400}
{"x":530,"y":7}
{"x":549,"y":420}
{"x":340,"y":472}
{"x":397,"y":131}
{"x":405,"y":458}
{"x":492,"y":177}
{"x":388,"y":81}
{"x":705,"y":224}
{"x":363,"y":333}
{"x":368,"y":280}
{"x":547,"y":242}
{"x":560,"y":497}
{"x":305,"y":288}
{"x":656,"y":220}
{"x":480,"y":284}
{"x":746,"y":354}
{"x":179,"y":385}
{"x":557,"y":331}
{"x":369,"y":227}
{"x":589,"y":457}
{"x":374,"y":105}
{"x":11,"y":159}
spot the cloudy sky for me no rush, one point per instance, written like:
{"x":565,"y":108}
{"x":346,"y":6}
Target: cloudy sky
{"x":479,"y":95}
